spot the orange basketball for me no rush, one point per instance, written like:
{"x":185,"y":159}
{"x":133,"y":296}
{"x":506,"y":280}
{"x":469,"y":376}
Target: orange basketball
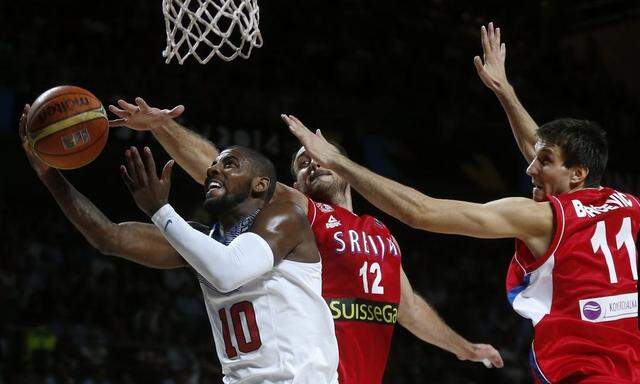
{"x":67,"y":127}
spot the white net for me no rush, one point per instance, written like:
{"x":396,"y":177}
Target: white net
{"x":208,"y":28}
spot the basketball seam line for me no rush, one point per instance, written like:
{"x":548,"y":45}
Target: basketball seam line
{"x":68,"y":122}
{"x":34,"y":112}
{"x":96,"y":139}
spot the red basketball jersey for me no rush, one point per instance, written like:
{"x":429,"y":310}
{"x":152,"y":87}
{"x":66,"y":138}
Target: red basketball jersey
{"x":361,"y":264}
{"x":582,"y":294}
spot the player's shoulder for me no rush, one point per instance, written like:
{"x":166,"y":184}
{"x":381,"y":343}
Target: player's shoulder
{"x":282,"y":210}
{"x":284,"y":193}
{"x":524,"y":205}
{"x":616,"y":196}
{"x":374,"y":221}
{"x":599,"y":197}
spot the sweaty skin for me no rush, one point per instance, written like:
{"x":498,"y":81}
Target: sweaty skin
{"x":194,"y":154}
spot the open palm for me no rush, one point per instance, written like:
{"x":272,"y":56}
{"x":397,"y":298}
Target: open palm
{"x":140,"y":116}
{"x":316,"y":146}
{"x":492,"y":71}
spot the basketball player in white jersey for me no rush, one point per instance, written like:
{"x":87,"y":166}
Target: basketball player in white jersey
{"x":258,"y":266}
{"x":194,"y":152}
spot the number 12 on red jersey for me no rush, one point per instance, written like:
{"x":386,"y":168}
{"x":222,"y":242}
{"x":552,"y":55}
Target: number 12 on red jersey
{"x":375,"y":269}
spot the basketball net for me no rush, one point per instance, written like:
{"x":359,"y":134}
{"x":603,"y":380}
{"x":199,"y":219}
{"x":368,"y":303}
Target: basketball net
{"x":207,"y":28}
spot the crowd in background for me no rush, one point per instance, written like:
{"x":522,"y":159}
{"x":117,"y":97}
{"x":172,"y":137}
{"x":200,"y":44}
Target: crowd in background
{"x":396,"y":87}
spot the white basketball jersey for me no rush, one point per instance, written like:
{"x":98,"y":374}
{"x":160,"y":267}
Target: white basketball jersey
{"x":275,"y":329}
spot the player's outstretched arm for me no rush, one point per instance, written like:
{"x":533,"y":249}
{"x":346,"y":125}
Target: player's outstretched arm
{"x":193,"y":152}
{"x":493,"y":74}
{"x":278,"y":231}
{"x":138,"y":242}
{"x":417,"y":316}
{"x":506,"y":218}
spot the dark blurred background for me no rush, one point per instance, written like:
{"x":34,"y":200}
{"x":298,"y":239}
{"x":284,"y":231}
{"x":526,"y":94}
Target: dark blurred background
{"x":393,"y":82}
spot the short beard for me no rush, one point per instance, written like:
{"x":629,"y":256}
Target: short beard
{"x":327,"y":194}
{"x":220,"y":206}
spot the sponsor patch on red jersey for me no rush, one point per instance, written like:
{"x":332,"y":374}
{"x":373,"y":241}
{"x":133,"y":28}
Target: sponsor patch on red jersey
{"x":326,"y":208}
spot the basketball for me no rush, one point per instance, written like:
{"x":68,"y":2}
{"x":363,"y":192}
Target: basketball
{"x":67,"y":127}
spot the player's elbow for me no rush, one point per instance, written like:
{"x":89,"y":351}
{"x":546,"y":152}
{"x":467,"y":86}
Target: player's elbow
{"x":224,"y":282}
{"x":420,"y":217}
{"x":106,"y":241}
{"x":410,"y":218}
{"x":102,"y":246}
{"x":105,"y":247}
{"x":410,"y":215}
{"x":417,"y":221}
{"x":226,"y":288}
{"x":224,"y":285}
{"x":408,"y":310}
{"x":404,"y":316}
{"x":227,"y":281}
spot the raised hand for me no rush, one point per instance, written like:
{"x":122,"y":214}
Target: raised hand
{"x":38,"y":165}
{"x":492,"y":71}
{"x":323,"y":152}
{"x":485,"y":354}
{"x":149,"y":192}
{"x":142,"y":117}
